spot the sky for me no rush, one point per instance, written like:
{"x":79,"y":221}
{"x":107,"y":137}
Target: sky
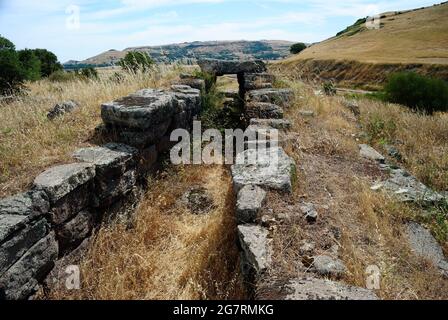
{"x":79,"y":29}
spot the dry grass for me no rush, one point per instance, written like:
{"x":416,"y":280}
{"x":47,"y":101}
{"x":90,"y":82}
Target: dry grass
{"x":421,"y":139}
{"x":29,"y":142}
{"x":366,"y":226}
{"x":413,"y":37}
{"x":170,"y":253}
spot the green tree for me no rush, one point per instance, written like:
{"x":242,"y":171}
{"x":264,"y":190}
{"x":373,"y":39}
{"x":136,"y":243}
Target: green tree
{"x":297,"y":48}
{"x":11,"y":75}
{"x":136,"y":61}
{"x":49,"y":62}
{"x":417,"y":92}
{"x":31,"y":64}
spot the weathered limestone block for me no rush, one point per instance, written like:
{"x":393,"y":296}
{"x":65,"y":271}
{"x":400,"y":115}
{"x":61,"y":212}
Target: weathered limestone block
{"x":424,"y":245}
{"x":59,"y":181}
{"x":256,"y":81}
{"x":407,"y":188}
{"x":281,"y":97}
{"x":115,"y":170}
{"x":368,"y":152}
{"x":140,"y":111}
{"x":249,"y":203}
{"x":188,"y":103}
{"x":62,"y":108}
{"x":263,"y":110}
{"x":21,"y":280}
{"x":29,"y":204}
{"x":222,"y":67}
{"x":271,"y":168}
{"x":279,"y":124}
{"x":256,"y":252}
{"x":327,"y":266}
{"x":318,"y":289}
{"x":17,"y":245}
{"x":142,"y":139}
{"x":194,"y":83}
{"x":76,"y":230}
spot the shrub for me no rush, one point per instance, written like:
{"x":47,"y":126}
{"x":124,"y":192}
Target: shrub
{"x":418,"y":92}
{"x":207,"y":77}
{"x":136,"y":61}
{"x":89,"y":73}
{"x":297,"y":48}
{"x":63,"y":76}
{"x":329,"y":88}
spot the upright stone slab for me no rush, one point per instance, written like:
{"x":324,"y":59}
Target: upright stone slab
{"x":249,"y":203}
{"x":256,"y":252}
{"x":281,"y":97}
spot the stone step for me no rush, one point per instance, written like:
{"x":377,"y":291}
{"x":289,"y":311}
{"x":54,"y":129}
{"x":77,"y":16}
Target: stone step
{"x":263,"y":110}
{"x":281,"y":97}
{"x":271,"y":169}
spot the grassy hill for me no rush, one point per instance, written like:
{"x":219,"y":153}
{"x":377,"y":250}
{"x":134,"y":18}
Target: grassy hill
{"x":415,"y":39}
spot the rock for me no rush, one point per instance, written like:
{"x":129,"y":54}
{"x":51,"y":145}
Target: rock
{"x":318,"y":289}
{"x":424,"y":245}
{"x":249,"y":203}
{"x":263,"y":110}
{"x":279,"y":124}
{"x":21,"y":280}
{"x":353,"y":106}
{"x":307,"y":248}
{"x":18,"y":210}
{"x":393,"y":152}
{"x":327,"y":266}
{"x":369,"y":153}
{"x":16,"y":246}
{"x":223,"y":67}
{"x":115,"y":170}
{"x":76,"y":230}
{"x":306,"y":113}
{"x":230,"y":93}
{"x":62,"y":108}
{"x":140,"y":111}
{"x":59,"y":181}
{"x":143,"y":139}
{"x":256,"y":255}
{"x":199,"y":201}
{"x":281,"y":97}
{"x":198,"y":84}
{"x":272,"y":169}
{"x":309,"y":211}
{"x":407,"y":188}
{"x":254,"y":81}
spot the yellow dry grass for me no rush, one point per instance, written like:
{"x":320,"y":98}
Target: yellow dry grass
{"x":169,"y":253}
{"x":371,"y":224}
{"x":29,"y":142}
{"x":419,"y":36}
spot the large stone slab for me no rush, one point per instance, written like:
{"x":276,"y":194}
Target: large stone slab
{"x":141,"y":110}
{"x":318,"y":289}
{"x":271,"y":168}
{"x":59,"y":181}
{"x":115,"y":170}
{"x":407,"y":188}
{"x":256,"y":253}
{"x":281,"y":97}
{"x":18,"y":210}
{"x":249,"y":203}
{"x":21,"y":280}
{"x":222,"y":67}
{"x":255,"y":81}
{"x":368,"y":152}
{"x":279,"y":124}
{"x":424,"y":245}
{"x":14,"y":248}
{"x":263,"y":110}
{"x":76,"y":230}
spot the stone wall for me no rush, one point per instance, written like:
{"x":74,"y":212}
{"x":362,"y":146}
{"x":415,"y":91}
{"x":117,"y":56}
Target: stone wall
{"x":66,"y":202}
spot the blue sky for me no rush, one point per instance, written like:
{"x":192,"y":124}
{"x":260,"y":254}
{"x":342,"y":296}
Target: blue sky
{"x":118,"y":24}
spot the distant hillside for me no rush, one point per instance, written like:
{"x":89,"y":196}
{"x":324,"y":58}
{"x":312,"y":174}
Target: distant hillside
{"x":188,"y":52}
{"x":411,"y":40}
